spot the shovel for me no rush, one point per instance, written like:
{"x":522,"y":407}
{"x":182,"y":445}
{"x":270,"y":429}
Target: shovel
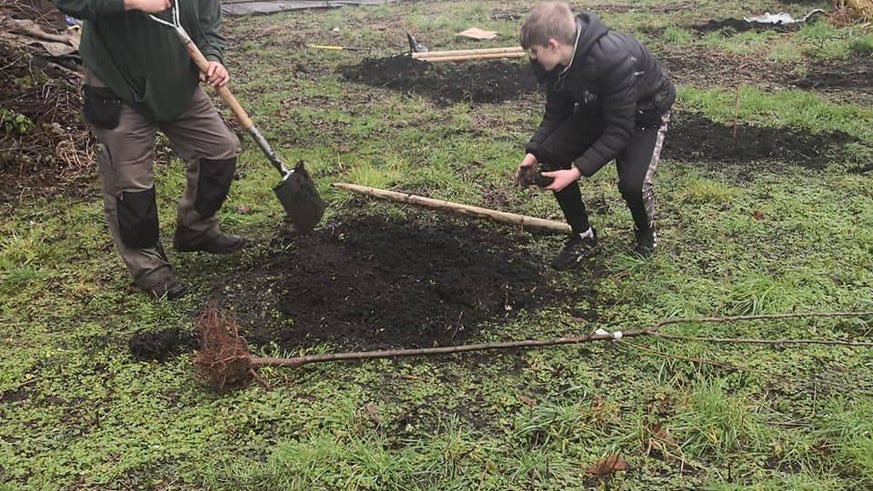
{"x":296,"y":191}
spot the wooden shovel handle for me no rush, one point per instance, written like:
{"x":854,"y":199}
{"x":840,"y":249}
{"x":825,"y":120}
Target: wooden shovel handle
{"x":223,"y":91}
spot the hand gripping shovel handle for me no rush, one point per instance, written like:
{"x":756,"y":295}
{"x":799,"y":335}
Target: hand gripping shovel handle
{"x":234,"y":105}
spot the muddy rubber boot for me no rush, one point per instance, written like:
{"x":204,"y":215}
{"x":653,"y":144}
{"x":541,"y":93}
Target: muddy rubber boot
{"x":645,"y":242}
{"x":221,"y":244}
{"x":576,"y":248}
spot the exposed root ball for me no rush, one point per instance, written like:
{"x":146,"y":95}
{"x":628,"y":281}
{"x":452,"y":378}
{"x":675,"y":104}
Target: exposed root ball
{"x":224,"y":359}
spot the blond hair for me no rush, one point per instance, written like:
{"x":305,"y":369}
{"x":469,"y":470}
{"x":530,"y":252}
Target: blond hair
{"x":548,"y":20}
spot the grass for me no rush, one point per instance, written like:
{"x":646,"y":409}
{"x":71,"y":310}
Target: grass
{"x":78,"y":411}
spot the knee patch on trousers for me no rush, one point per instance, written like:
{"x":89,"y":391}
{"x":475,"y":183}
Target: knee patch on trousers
{"x":138,"y":218}
{"x":213,"y":183}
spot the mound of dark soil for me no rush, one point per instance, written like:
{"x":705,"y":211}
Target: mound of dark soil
{"x":376,"y":282}
{"x":447,"y":82}
{"x":694,"y":138}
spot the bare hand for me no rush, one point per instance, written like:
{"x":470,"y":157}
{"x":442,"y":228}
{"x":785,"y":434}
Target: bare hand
{"x":526,"y":169}
{"x":563,"y":178}
{"x":216,"y":75}
{"x":147,"y":6}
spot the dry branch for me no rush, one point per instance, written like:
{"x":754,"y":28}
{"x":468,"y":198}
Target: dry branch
{"x":435,"y":204}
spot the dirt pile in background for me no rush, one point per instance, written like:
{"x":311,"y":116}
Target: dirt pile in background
{"x":447,"y":82}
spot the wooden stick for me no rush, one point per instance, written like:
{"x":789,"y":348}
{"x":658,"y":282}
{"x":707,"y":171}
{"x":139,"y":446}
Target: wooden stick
{"x":498,"y":216}
{"x":486,"y":56}
{"x":462,"y":52}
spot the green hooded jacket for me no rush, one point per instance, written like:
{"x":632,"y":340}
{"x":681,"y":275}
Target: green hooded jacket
{"x":142,"y":61}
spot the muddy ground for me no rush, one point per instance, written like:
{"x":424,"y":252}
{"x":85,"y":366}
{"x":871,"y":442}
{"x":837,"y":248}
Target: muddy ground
{"x":374,"y":282}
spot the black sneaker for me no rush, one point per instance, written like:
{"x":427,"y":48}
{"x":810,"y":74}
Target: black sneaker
{"x":221,"y":244}
{"x":167,"y":289}
{"x":576,"y":248}
{"x":646,"y":242}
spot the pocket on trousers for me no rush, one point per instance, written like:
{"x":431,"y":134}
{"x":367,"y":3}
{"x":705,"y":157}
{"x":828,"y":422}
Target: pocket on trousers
{"x":102,"y":108}
{"x":138,"y":219}
{"x":213,"y":183}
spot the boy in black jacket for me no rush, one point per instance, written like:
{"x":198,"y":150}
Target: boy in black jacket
{"x":607,"y":98}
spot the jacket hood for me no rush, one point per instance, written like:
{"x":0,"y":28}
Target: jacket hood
{"x":592,"y":29}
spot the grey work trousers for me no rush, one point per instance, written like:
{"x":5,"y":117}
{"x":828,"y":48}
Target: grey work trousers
{"x":126,"y":164}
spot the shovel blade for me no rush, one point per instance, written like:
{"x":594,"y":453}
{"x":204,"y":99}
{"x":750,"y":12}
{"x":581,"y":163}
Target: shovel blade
{"x":299,"y":196}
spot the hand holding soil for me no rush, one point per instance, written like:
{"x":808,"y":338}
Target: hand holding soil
{"x":527,"y":170}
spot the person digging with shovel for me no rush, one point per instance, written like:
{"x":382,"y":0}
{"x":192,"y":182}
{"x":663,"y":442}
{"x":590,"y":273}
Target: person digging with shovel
{"x":607,"y":98}
{"x":139,"y":79}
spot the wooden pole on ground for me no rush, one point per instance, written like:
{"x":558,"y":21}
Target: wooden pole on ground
{"x":476,"y":211}
{"x":462,"y":52}
{"x":470,"y":54}
{"x":489,"y":56}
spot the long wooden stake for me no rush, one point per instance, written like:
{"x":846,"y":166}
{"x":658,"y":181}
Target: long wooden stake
{"x":463,"y":52}
{"x":486,"y":56}
{"x":476,"y":211}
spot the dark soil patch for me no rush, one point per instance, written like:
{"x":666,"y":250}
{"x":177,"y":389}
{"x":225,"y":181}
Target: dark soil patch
{"x":16,"y":395}
{"x":161,"y":345}
{"x":374,"y":282}
{"x":447,"y":83}
{"x":852,"y":74}
{"x":694,"y":138}
{"x":740,"y":25}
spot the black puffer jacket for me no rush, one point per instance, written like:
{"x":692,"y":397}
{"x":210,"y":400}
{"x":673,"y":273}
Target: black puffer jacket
{"x":614,"y":78}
